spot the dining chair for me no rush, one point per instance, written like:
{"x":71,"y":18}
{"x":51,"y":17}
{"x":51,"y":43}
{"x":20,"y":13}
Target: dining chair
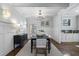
{"x":41,"y":46}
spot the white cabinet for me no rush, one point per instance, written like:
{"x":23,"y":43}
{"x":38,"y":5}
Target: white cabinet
{"x":1,"y":45}
{"x":6,"y":38}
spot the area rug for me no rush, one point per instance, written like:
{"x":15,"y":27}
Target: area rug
{"x":26,"y":51}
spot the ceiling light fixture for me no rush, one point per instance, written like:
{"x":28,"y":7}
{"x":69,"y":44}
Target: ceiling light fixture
{"x":6,"y":13}
{"x":40,"y":14}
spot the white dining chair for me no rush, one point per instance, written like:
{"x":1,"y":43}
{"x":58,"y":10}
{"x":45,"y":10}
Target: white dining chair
{"x":41,"y":46}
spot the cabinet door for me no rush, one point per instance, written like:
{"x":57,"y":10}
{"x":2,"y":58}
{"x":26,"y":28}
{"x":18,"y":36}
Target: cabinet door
{"x":6,"y":39}
{"x":2,"y":39}
{"x":8,"y":43}
{"x":1,"y":45}
{"x":1,"y":28}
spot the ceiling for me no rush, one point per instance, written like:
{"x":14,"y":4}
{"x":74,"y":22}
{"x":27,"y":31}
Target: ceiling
{"x":37,"y":4}
{"x":31,"y":9}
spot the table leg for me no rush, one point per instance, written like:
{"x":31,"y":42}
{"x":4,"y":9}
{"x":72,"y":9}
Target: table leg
{"x":49,"y":46}
{"x":31,"y":46}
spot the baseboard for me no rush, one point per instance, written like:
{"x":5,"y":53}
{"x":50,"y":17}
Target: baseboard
{"x":54,"y":41}
{"x":72,"y":43}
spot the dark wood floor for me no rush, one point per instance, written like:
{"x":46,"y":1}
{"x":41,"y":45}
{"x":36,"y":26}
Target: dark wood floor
{"x":16,"y":50}
{"x":67,"y":48}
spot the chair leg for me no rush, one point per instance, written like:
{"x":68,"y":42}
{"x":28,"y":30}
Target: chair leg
{"x":45,"y":52}
{"x":36,"y":52}
{"x":31,"y":46}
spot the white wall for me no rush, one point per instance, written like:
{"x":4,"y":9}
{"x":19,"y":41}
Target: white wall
{"x":59,"y":36}
{"x":70,"y":37}
{"x":77,"y":22}
{"x":6,"y":38}
{"x":7,"y":31}
{"x":57,"y":26}
{"x":20,"y":19}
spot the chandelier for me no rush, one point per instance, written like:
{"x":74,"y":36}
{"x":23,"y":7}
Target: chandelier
{"x":40,"y":14}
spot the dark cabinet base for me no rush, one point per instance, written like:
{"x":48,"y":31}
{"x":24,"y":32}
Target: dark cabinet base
{"x":19,"y":40}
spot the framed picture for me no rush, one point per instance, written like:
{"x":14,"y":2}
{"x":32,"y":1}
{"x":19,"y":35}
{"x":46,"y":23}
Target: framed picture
{"x":45,"y":23}
{"x":66,"y":22}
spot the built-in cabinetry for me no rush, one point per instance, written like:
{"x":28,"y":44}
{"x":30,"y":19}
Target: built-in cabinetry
{"x":19,"y":40}
{"x":70,"y":31}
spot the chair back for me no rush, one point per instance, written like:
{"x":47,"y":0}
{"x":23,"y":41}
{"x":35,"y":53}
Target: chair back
{"x":41,"y":43}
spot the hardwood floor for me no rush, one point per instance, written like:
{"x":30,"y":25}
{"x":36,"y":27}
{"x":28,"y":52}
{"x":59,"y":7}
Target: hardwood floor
{"x":67,"y":48}
{"x":16,"y":50}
